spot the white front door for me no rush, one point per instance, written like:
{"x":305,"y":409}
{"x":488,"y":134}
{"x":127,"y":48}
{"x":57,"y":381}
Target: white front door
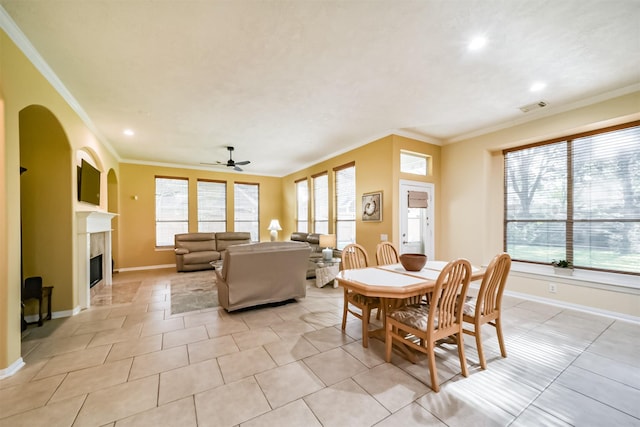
{"x":416,"y":224}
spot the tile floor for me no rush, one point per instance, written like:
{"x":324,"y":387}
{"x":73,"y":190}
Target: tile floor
{"x":129,"y":362}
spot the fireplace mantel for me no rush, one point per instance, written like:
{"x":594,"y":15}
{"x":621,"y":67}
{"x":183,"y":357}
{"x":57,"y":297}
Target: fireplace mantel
{"x":87,"y":223}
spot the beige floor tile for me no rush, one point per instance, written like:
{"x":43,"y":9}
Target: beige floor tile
{"x":414,"y":415}
{"x":291,"y":312}
{"x":291,"y":328}
{"x":391,"y":386}
{"x":294,"y":414}
{"x":24,"y":397}
{"x":322,"y":319}
{"x":189,"y":380}
{"x":371,"y":356}
{"x":290,"y":349}
{"x":225,"y":327}
{"x":184,"y":336}
{"x":92,"y":314}
{"x":345,"y":404}
{"x":142,"y":318}
{"x":126,"y":310}
{"x":24,"y":375}
{"x":197,"y":319}
{"x":112,"y":336}
{"x":99,"y":325}
{"x":254,"y":338}
{"x":161,"y":326}
{"x":158,"y":361}
{"x":55,"y":346}
{"x":179,"y":413}
{"x":74,"y":361}
{"x":119,"y":401}
{"x":211,"y":348}
{"x":158,"y":306}
{"x":334,"y":366}
{"x":288,"y":383}
{"x":89,"y":380}
{"x":245,"y":363}
{"x":328,"y":338}
{"x":135,"y":347}
{"x":260,"y":318}
{"x":60,"y":414}
{"x":231,"y":404}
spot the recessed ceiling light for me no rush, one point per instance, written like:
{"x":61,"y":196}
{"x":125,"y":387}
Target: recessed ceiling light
{"x":537,"y":87}
{"x":477,"y":43}
{"x":128,"y":132}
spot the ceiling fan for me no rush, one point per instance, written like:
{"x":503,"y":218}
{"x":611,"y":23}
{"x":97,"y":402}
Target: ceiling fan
{"x":230,"y":163}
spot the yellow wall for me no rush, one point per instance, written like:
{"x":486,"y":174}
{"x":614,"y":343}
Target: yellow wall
{"x":472,"y":201}
{"x":377,"y":169}
{"x":21,"y":86}
{"x":137,"y":216}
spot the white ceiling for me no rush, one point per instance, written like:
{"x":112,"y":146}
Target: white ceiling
{"x":289,"y":83}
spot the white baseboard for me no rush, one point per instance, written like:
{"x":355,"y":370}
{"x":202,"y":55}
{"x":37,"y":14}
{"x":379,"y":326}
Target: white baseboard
{"x":12,"y":369}
{"x":54,"y":314}
{"x":146,"y":267}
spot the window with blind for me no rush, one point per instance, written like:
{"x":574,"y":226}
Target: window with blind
{"x":576,"y":199}
{"x":345,"y":205}
{"x":321,"y":204}
{"x":212,"y":206}
{"x":302,"y":206}
{"x":172,"y":209}
{"x":247,"y":209}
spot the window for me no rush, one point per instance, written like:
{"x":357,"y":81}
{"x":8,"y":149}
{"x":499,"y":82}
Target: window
{"x":321,"y":204}
{"x":212,"y":206}
{"x":413,"y":163}
{"x":302,"y":206}
{"x":247,"y":213}
{"x":345,"y":205}
{"x":172,"y":209}
{"x":577,"y":199}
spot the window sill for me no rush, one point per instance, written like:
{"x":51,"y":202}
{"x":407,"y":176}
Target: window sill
{"x":594,"y":279}
{"x":164,"y":248}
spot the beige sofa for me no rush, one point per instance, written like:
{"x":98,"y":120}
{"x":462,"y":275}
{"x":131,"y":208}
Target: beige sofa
{"x":196,"y":251}
{"x":262,"y":273}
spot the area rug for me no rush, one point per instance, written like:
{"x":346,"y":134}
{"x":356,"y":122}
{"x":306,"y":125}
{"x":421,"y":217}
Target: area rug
{"x":193,"y":291}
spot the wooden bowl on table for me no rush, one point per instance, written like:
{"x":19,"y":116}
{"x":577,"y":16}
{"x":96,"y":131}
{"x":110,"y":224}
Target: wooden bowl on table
{"x":413,"y":262}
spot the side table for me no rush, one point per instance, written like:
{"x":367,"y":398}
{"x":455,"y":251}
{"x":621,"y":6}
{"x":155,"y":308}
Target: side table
{"x":326,"y":271}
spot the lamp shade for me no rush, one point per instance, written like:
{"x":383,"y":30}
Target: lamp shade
{"x":274,"y":225}
{"x":327,"y":241}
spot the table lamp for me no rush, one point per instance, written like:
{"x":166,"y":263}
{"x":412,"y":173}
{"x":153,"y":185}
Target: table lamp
{"x":328,"y":242}
{"x":274,"y":227}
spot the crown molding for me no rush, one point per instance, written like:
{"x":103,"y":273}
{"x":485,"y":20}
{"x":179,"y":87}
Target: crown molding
{"x":18,"y":37}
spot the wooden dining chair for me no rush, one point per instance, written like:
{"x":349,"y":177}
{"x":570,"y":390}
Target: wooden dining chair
{"x":386,"y":254}
{"x":419,"y":326}
{"x":487,"y":306}
{"x":355,"y":256}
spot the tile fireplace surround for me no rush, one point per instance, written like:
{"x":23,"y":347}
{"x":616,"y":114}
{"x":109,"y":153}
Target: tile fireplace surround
{"x":88,"y":223}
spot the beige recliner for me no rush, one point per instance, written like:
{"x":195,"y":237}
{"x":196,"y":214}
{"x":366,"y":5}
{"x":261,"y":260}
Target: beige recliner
{"x":262,"y":273}
{"x":196,"y":251}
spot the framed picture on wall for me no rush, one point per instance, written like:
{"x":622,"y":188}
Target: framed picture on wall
{"x":372,"y":206}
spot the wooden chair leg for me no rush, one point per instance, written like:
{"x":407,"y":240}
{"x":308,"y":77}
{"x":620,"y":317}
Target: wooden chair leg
{"x":432,"y":368}
{"x":478,"y":335}
{"x":366,"y":314}
{"x":344,"y":314}
{"x":463,"y":359}
{"x":498,"y":326}
{"x":388,"y":343}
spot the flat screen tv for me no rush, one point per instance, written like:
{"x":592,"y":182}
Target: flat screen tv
{"x":88,"y":184}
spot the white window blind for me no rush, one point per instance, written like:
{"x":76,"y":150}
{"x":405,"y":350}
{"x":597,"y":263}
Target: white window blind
{"x":321,"y":204}
{"x":345,"y":206}
{"x":413,"y":163}
{"x":247,"y":209}
{"x":302,"y":206}
{"x":212,"y":206}
{"x":172,"y":209}
{"x":576,"y":199}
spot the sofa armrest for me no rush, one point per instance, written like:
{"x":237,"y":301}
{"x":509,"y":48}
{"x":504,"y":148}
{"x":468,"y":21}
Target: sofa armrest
{"x":181,"y":251}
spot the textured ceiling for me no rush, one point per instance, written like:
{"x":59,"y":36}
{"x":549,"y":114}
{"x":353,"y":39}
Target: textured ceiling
{"x":290,"y":83}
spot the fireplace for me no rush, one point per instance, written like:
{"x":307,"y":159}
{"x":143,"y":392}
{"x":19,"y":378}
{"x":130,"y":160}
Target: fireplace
{"x":95,"y":270}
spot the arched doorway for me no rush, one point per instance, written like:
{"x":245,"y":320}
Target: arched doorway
{"x":46,"y":202}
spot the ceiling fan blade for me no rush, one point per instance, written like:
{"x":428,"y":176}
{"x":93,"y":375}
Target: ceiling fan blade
{"x":237,"y":168}
{"x":246,"y":162}
{"x":210,"y":164}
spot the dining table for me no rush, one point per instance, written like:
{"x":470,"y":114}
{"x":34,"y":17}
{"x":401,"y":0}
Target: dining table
{"x":392,"y":283}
